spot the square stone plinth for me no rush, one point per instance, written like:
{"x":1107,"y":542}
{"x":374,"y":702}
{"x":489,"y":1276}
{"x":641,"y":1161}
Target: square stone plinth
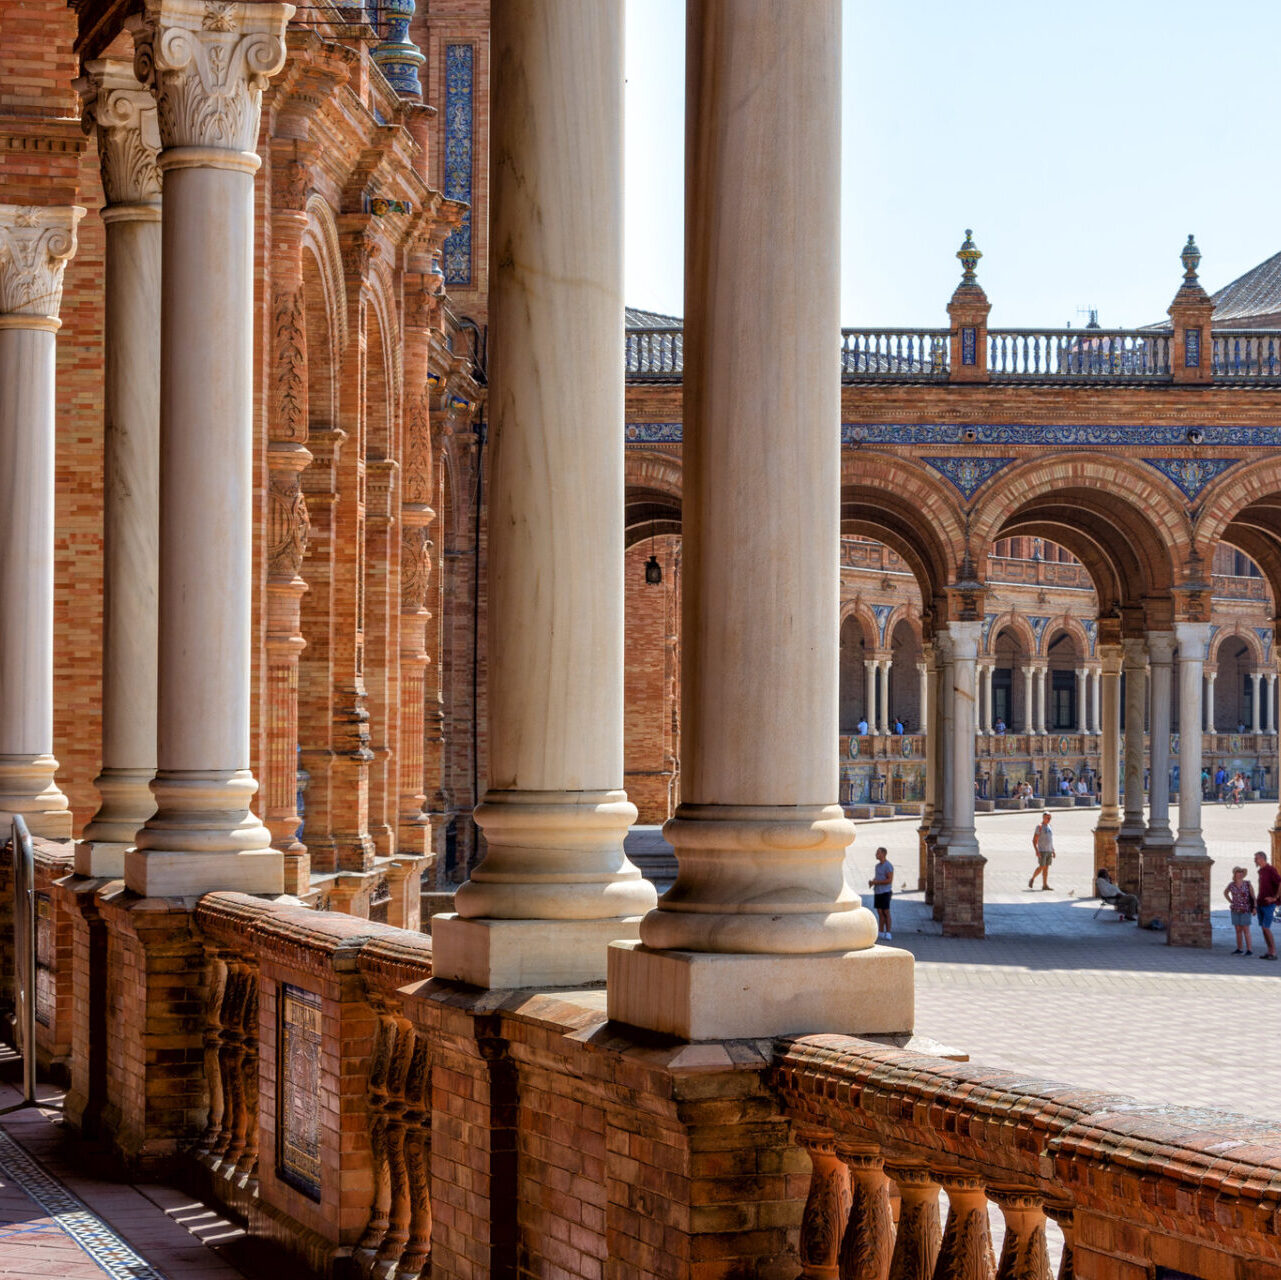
{"x":699,"y":995}
{"x":509,"y":954}
{"x":153,"y":873}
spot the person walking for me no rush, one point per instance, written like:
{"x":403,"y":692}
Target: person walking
{"x":1241,"y":906}
{"x":1043,"y":845}
{"x":1269,"y":891}
{"x":882,"y":886}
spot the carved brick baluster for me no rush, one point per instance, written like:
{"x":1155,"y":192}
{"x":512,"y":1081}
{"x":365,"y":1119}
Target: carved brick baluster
{"x":228,"y":1058}
{"x":417,"y":1255}
{"x":916,"y":1243}
{"x":966,"y":1251}
{"x":213,"y":1049}
{"x":1062,"y":1215}
{"x":868,"y":1243}
{"x":247,"y":1163}
{"x":1023,"y":1253}
{"x":238,"y":1053}
{"x":393,"y":1244}
{"x":380,"y":1065}
{"x":827,"y":1207}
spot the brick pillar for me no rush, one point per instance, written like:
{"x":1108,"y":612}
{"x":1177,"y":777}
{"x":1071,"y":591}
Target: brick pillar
{"x":1191,"y":314}
{"x":968,"y":312}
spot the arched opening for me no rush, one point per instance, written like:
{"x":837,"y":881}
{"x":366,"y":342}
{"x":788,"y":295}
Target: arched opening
{"x":1012,"y":657}
{"x":856,"y":648}
{"x":1064,"y":711}
{"x":905,"y":676}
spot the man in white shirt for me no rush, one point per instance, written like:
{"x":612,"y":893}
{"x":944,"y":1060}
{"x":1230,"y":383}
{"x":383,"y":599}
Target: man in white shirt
{"x":1043,"y":845}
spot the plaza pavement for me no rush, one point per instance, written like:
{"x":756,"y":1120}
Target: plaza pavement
{"x":1053,"y":992}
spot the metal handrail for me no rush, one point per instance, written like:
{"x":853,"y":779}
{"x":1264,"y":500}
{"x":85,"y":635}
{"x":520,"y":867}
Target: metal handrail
{"x":24,"y":946}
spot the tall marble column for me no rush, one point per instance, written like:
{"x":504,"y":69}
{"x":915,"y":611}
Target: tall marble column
{"x":1029,"y":699}
{"x":1154,"y":893}
{"x":555,"y":886}
{"x":1082,"y":700}
{"x":208,"y":67}
{"x":1109,"y":824}
{"x":760,"y":934}
{"x":122,"y":114}
{"x":35,"y":244}
{"x":1210,"y":677}
{"x":960,"y":872}
{"x":869,"y":700}
{"x":1042,"y":679}
{"x":988,"y":722}
{"x":1256,"y":679}
{"x":1133,"y":828}
{"x":1096,"y":699}
{"x":928,"y":730}
{"x":886,"y":722}
{"x":923,"y":676}
{"x":1190,"y":866}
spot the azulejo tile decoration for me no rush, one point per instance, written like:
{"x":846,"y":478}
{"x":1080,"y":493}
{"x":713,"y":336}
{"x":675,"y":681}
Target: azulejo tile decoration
{"x":882,"y":613}
{"x":108,"y":1251}
{"x":460,"y":67}
{"x":968,"y":474}
{"x":1191,"y":475}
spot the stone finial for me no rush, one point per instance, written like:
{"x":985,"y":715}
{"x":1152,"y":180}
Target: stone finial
{"x":1191,"y":258}
{"x":123,"y":112}
{"x":208,"y":62}
{"x":397,"y":55}
{"x":969,"y":254}
{"x":35,"y":243}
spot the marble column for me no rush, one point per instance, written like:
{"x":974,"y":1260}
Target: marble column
{"x":1158,"y":840}
{"x":208,"y":71}
{"x":929,"y":806}
{"x":1210,"y":677}
{"x":1191,"y":638}
{"x":1029,"y":699}
{"x":759,"y":836}
{"x":1130,"y":837}
{"x":945,"y":721}
{"x":886,"y":720}
{"x":1096,"y":699}
{"x":1109,"y":824}
{"x":35,"y":244}
{"x":869,"y":697}
{"x":1082,"y":700}
{"x":923,"y":676}
{"x":988,"y":724}
{"x":1042,"y":698}
{"x":1256,"y":679}
{"x":554,"y":887}
{"x":1190,"y":866}
{"x":122,"y":114}
{"x":964,"y":638}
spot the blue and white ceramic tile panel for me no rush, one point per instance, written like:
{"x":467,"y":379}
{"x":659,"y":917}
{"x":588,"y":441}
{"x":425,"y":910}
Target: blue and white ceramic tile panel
{"x":1091,"y":632}
{"x":108,"y":1250}
{"x":942,"y":435}
{"x":460,"y":66}
{"x":1265,"y":639}
{"x":1191,"y":475}
{"x":882,"y":613}
{"x":1214,"y":631}
{"x":967,"y":474}
{"x":988,"y":620}
{"x":1038,"y":625}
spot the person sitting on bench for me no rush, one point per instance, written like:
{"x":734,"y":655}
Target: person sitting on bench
{"x":1125,"y":903}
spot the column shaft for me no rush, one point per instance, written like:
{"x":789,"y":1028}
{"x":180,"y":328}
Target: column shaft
{"x":555,"y":812}
{"x":1192,"y":639}
{"x":1255,"y":679}
{"x":964,"y":636}
{"x":869,"y":709}
{"x":1210,"y":677}
{"x":1042,"y":679}
{"x":1096,"y":701}
{"x":1082,"y":699}
{"x":1029,"y":700}
{"x":35,"y":244}
{"x":203,"y":835}
{"x":1161,"y":649}
{"x":758,"y":834}
{"x":887,"y":667}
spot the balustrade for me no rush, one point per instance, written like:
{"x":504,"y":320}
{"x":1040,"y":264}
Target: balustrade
{"x":655,"y":353}
{"x":1038,"y":1152}
{"x":910,"y":354}
{"x":1253,"y":354}
{"x":1077,"y":354}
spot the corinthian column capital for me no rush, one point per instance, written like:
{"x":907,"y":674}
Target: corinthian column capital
{"x":208,"y":62}
{"x":123,"y":112}
{"x":35,"y":244}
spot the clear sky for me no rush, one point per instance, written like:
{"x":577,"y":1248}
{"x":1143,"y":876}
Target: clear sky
{"x":1082,"y":144}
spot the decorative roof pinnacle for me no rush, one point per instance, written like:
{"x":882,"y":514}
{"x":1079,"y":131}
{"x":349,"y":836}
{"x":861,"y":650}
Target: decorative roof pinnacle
{"x":1190,"y":257}
{"x":969,"y":254}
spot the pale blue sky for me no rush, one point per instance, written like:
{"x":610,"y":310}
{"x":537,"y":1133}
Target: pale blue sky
{"x":1081,"y":142}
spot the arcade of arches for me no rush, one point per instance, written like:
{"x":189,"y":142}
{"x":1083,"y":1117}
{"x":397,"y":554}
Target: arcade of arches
{"x":321,"y":609}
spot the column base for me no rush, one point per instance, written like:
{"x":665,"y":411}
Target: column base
{"x":1154,"y":884}
{"x":1105,"y":848}
{"x":153,"y":873}
{"x":1128,"y":869}
{"x":101,"y":858}
{"x":509,"y":954}
{"x":27,"y":787}
{"x":698,"y":995}
{"x":961,"y":876}
{"x":1189,"y":901}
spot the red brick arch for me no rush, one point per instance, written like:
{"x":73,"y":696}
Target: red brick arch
{"x":905,"y":612}
{"x":1072,"y":625}
{"x":653,"y":486}
{"x":1232,"y":495}
{"x":897,"y":502}
{"x":1237,"y":631}
{"x":866,"y":619}
{"x":1013,"y":621}
{"x":1135,"y":519}
{"x":1102,"y":568}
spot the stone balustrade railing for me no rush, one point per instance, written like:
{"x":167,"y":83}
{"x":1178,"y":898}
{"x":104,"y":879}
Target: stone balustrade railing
{"x":1136,"y":1190}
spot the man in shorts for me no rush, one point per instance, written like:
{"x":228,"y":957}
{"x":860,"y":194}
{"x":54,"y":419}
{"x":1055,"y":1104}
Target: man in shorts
{"x":1269,"y":891}
{"x":882,"y":886}
{"x":1043,"y":846}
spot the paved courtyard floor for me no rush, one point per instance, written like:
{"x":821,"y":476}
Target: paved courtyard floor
{"x":1054,"y":991}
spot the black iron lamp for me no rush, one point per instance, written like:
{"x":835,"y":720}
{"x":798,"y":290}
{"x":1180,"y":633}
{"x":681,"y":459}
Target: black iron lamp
{"x":653,"y":570}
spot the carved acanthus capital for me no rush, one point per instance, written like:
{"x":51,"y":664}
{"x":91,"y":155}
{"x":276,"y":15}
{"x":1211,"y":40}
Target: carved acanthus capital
{"x":35,"y":244}
{"x":124,"y":114}
{"x":208,"y":62}
{"x":288,"y":525}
